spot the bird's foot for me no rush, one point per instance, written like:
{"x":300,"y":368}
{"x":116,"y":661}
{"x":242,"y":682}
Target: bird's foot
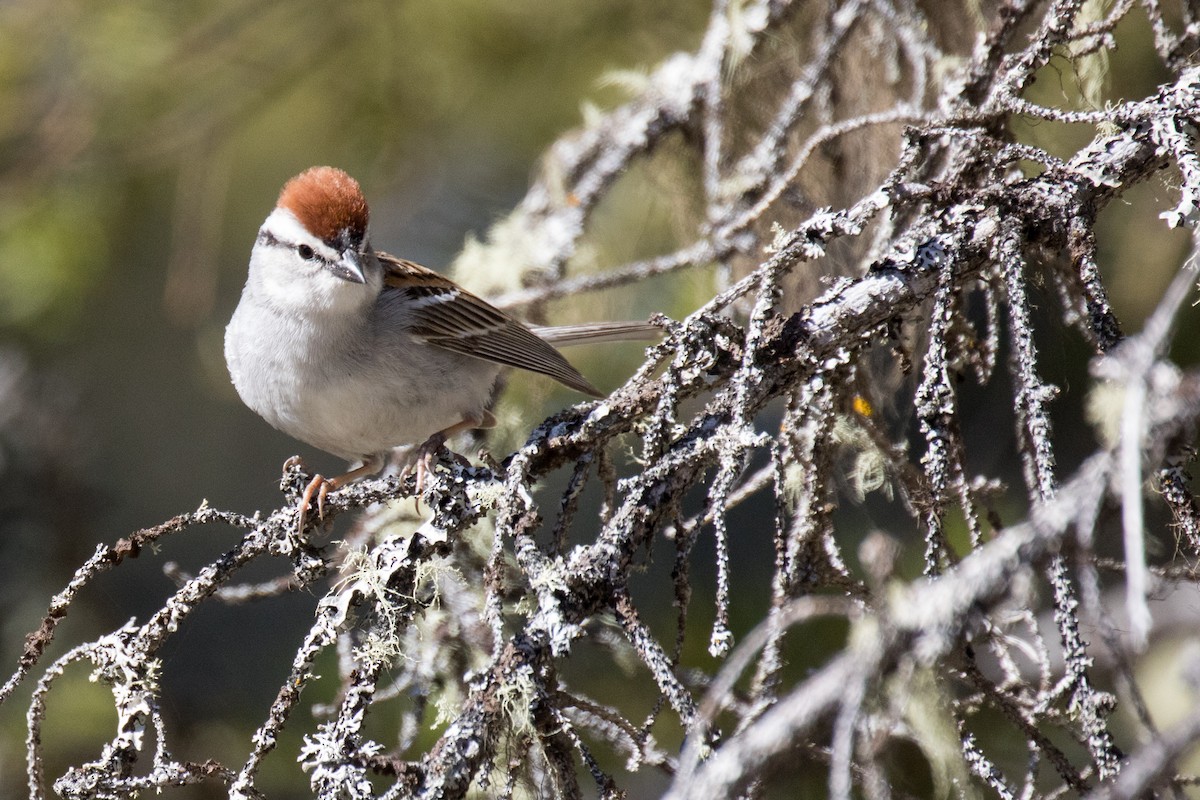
{"x":319,"y":486}
{"x":421,"y":462}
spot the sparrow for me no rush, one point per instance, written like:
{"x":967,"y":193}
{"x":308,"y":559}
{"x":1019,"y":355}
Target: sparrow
{"x":356,"y":352}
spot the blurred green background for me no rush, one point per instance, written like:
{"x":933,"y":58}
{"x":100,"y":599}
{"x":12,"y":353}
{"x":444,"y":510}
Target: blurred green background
{"x":141,"y":145}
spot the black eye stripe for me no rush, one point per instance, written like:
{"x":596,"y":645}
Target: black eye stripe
{"x":306,"y":252}
{"x":271,"y":240}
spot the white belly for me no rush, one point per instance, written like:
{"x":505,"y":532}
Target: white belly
{"x":337,"y":393}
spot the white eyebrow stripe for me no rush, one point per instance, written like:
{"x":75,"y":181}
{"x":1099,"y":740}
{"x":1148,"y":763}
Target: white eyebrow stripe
{"x":283,"y":225}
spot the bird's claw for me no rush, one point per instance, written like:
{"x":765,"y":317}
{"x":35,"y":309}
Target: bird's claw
{"x":292,"y":473}
{"x":422,"y":462}
{"x":319,"y":486}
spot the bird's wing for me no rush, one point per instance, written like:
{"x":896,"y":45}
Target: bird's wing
{"x":448,"y":316}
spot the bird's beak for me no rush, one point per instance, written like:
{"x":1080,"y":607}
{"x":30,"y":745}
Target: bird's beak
{"x":350,"y":268}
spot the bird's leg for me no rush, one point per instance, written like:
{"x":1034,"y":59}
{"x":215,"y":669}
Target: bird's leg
{"x":320,"y":486}
{"x":425,"y":457}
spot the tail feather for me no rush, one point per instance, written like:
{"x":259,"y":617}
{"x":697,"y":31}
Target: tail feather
{"x":595,"y":332}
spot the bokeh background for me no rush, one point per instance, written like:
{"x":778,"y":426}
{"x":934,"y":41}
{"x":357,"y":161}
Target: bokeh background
{"x":141,"y":145}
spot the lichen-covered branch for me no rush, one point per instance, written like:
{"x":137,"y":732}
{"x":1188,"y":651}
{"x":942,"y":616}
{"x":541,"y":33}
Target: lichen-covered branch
{"x":887,"y":257}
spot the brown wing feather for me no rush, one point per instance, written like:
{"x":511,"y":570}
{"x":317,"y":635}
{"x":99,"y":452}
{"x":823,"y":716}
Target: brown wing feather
{"x":459,"y":321}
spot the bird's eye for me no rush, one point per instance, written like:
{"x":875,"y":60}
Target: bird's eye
{"x":305,"y":252}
